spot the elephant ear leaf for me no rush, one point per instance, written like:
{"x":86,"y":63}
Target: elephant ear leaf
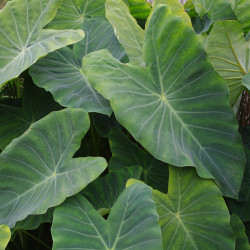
{"x":132,"y":223}
{"x":193,"y":215}
{"x":169,"y":105}
{"x":37,"y":169}
{"x":5,"y":235}
{"x":23,"y":39}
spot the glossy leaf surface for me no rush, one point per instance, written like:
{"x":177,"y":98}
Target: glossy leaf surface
{"x":132,"y":223}
{"x":126,"y":153}
{"x":23,"y":39}
{"x":178,"y":107}
{"x":37,"y":170}
{"x":193,"y":215}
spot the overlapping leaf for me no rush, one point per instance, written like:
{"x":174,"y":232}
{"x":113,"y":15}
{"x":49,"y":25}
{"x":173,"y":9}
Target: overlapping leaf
{"x":178,"y":107}
{"x":37,"y":170}
{"x":14,"y":121}
{"x":229,"y":53}
{"x":72,"y":13}
{"x":60,"y":72}
{"x":193,"y":215}
{"x":132,"y":223}
{"x":126,"y":153}
{"x":241,"y":9}
{"x":4,"y":236}
{"x":23,"y":39}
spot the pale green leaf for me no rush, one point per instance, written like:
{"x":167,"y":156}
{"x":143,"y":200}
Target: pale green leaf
{"x":4,"y":236}
{"x":246,"y":80}
{"x":178,"y":107}
{"x":37,"y":170}
{"x":23,"y":39}
{"x":132,"y":223}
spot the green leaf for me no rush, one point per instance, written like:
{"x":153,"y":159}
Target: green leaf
{"x":132,"y":223}
{"x":23,"y":39}
{"x":4,"y":236}
{"x":104,"y":191}
{"x":242,"y":11}
{"x":60,"y":72}
{"x":246,"y":80}
{"x":126,"y":153}
{"x":128,"y":32}
{"x":14,"y":121}
{"x":37,"y":170}
{"x":178,"y":107}
{"x":193,"y":215}
{"x":229,"y":53}
{"x":218,"y":9}
{"x":72,"y":13}
{"x":139,"y":9}
{"x":240,"y":234}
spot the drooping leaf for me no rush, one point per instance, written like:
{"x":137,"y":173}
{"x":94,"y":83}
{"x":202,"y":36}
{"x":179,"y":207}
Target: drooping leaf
{"x":103,"y":192}
{"x":193,"y":215}
{"x":240,"y":234}
{"x":241,"y":9}
{"x":178,"y":107}
{"x":37,"y":170}
{"x":4,"y":236}
{"x":72,"y":13}
{"x":60,"y":71}
{"x":23,"y":39}
{"x":128,"y":32}
{"x":132,"y":223}
{"x":229,"y":53}
{"x":14,"y":121}
{"x":126,"y":153}
{"x":218,"y":9}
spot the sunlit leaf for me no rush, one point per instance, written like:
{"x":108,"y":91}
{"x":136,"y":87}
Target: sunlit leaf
{"x":4,"y":236}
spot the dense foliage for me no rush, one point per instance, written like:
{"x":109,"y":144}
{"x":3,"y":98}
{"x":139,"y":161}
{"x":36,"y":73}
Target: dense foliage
{"x":118,"y":124}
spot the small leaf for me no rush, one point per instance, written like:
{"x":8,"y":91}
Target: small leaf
{"x":4,"y":236}
{"x":37,"y":170}
{"x":193,"y":215}
{"x":23,"y":39}
{"x":132,"y":223}
{"x":139,"y":9}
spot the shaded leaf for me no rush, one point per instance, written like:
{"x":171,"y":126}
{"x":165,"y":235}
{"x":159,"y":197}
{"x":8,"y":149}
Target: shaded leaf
{"x":178,"y":107}
{"x":23,"y":39}
{"x":37,"y":170}
{"x":126,"y":153}
{"x":132,"y":223}
{"x":193,"y":215}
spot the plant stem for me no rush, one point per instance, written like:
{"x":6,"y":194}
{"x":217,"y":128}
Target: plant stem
{"x":35,"y":238}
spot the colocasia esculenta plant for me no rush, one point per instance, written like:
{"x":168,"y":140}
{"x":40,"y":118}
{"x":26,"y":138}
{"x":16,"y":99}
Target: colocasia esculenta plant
{"x":118,"y":124}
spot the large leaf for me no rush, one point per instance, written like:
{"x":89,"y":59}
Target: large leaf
{"x":37,"y":170}
{"x":126,"y":153}
{"x":218,"y":9}
{"x":178,"y":107}
{"x":229,"y":53}
{"x":60,"y":72}
{"x":193,"y":215}
{"x":14,"y":121}
{"x":23,"y":39}
{"x":128,"y":32}
{"x":103,"y":192}
{"x":242,"y":11}
{"x":132,"y":223}
{"x":72,"y":13}
{"x":240,"y":234}
{"x":4,"y":236}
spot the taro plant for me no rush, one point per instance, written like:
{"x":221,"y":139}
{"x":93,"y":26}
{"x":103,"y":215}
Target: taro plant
{"x":118,"y":124}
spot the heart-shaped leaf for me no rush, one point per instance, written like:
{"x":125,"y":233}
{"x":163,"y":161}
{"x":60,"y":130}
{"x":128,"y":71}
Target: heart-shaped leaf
{"x":14,"y":121}
{"x":37,"y":170}
{"x":178,"y":107}
{"x":103,"y":192}
{"x":126,"y":153}
{"x":60,"y":72}
{"x":23,"y":39}
{"x":229,"y":53}
{"x":72,"y":13}
{"x":4,"y":236}
{"x":132,"y":223}
{"x":193,"y":215}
